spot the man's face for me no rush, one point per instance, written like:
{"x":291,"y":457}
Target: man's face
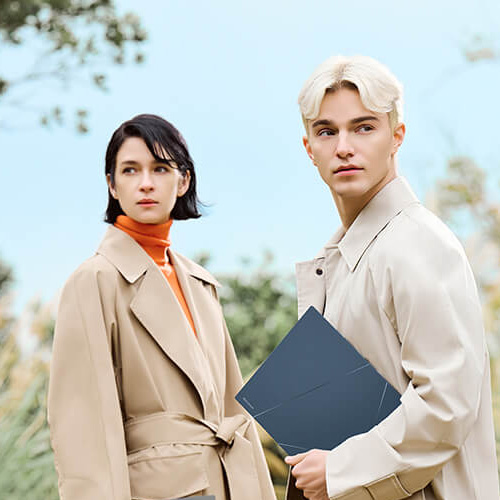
{"x":353,"y":148}
{"x":146,"y":189}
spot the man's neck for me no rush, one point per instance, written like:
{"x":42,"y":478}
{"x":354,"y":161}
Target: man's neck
{"x":349,"y":208}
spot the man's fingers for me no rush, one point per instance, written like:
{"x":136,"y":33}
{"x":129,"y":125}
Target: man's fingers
{"x":295,"y":459}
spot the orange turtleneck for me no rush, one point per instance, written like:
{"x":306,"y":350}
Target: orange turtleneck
{"x":154,"y":239}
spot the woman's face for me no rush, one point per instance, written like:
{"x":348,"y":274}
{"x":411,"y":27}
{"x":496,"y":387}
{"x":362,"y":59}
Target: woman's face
{"x":146,"y":189}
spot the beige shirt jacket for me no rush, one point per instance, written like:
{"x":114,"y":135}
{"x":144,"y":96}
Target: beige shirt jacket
{"x":138,"y":407}
{"x":399,"y":287}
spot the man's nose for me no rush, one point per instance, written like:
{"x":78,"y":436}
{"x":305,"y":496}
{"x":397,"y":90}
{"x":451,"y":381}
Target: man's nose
{"x":344,"y":147}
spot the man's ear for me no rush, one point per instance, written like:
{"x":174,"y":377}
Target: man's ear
{"x":183,"y":186}
{"x":307,"y":145}
{"x":110,"y":186}
{"x":398,"y":137}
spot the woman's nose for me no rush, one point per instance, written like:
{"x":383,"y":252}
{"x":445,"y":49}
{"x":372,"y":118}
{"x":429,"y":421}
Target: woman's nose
{"x":146,"y":182}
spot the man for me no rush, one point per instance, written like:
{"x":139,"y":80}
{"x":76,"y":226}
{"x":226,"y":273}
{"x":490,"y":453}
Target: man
{"x":396,"y":283}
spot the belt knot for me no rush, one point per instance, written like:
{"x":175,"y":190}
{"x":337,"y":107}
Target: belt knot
{"x":228,"y":427}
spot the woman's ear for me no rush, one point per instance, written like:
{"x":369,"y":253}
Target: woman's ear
{"x":110,"y":186}
{"x":184,"y":181}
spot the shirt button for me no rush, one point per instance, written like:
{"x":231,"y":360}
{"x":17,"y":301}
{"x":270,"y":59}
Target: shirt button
{"x":319,"y":271}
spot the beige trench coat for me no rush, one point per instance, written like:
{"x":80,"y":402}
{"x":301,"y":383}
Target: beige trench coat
{"x":398,"y":286}
{"x":139,"y":408}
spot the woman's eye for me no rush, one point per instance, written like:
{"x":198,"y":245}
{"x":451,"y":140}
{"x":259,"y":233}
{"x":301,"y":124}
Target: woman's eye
{"x":161,"y":169}
{"x":128,"y":170}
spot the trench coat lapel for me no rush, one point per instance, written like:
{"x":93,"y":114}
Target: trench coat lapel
{"x":189,"y":282}
{"x":157,"y":309}
{"x":189,"y":275}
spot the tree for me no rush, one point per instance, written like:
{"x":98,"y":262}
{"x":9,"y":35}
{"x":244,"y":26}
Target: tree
{"x":74,"y":38}
{"x":260,"y":308}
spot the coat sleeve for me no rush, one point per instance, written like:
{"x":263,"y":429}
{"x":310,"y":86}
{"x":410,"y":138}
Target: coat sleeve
{"x":83,"y":405}
{"x":234,"y":383}
{"x":429,"y":296}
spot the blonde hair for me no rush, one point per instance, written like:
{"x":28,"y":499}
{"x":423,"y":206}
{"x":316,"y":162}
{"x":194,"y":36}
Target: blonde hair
{"x":379,"y":90}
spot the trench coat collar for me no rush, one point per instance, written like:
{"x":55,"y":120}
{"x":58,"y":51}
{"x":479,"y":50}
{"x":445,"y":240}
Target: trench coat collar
{"x":351,"y":244}
{"x":154,"y":301}
{"x":379,"y":211}
{"x":132,"y":261}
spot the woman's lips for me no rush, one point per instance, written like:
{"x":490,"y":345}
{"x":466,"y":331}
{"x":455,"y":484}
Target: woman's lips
{"x":147,"y":203}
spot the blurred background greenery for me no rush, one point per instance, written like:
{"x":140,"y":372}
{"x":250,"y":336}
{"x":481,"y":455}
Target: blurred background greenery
{"x":259,"y":303}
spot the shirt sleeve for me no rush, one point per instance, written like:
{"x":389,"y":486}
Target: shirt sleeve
{"x":83,"y":405}
{"x":427,"y":291}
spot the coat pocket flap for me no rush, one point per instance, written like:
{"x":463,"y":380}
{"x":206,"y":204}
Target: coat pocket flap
{"x":167,"y":477}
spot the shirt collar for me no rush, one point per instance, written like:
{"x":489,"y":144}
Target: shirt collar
{"x":379,"y":211}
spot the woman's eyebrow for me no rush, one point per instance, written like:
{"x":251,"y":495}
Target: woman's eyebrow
{"x":129,"y":162}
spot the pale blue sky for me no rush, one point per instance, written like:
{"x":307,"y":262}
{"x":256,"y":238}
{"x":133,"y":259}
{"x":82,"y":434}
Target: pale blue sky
{"x":227,"y":74}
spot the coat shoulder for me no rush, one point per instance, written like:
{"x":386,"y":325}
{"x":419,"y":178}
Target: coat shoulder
{"x":415,"y":234}
{"x":419,"y":249}
{"x":93,"y":266}
{"x":94,"y":273}
{"x":196,"y":270}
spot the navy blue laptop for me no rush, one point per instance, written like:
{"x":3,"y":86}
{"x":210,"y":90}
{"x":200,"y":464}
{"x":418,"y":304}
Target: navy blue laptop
{"x":315,"y":390}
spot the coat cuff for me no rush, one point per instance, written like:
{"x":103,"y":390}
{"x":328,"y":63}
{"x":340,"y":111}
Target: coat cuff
{"x":387,"y":488}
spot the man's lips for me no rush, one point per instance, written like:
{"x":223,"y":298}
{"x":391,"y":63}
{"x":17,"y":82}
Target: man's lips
{"x":347,"y":168}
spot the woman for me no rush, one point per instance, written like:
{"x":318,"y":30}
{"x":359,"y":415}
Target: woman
{"x":143,"y":373}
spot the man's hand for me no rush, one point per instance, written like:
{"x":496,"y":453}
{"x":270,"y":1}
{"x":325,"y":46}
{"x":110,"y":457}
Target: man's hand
{"x":309,"y":470}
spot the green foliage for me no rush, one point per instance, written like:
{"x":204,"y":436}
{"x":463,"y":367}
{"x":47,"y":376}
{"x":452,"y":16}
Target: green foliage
{"x":260,"y":308}
{"x":26,"y":459}
{"x":77,"y":34}
{"x":6,"y":280}
{"x":6,"y":277}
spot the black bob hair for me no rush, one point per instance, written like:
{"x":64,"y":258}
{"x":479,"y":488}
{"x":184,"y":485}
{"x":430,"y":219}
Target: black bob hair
{"x":160,"y":137}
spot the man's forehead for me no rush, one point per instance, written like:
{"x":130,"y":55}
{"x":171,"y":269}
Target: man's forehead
{"x":344,"y":104}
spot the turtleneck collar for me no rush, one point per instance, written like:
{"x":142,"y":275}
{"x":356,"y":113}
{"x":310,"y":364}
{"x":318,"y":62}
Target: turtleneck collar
{"x":154,"y":238}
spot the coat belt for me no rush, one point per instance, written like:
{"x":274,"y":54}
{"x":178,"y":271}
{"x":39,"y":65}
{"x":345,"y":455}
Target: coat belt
{"x":236,"y":454}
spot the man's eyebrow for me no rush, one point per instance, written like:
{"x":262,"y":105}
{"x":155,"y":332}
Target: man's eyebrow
{"x":354,"y":121}
{"x":364,"y":119}
{"x":317,"y":123}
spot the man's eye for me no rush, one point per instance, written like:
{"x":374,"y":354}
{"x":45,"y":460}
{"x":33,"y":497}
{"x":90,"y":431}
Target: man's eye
{"x":326,"y":132}
{"x":365,"y":128}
